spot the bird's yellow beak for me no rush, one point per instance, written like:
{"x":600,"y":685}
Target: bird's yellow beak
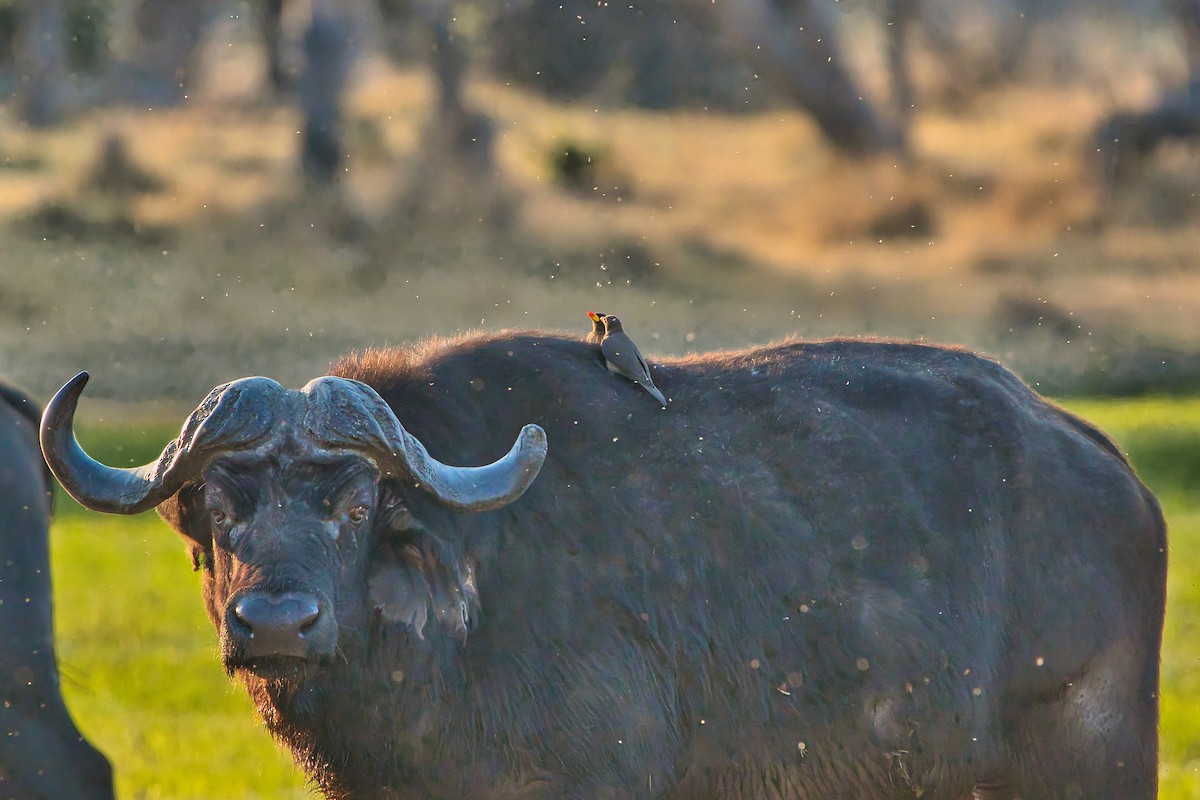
{"x":594,"y":316}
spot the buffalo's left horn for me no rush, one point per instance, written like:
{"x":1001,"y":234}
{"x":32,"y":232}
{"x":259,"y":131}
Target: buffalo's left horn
{"x":99,"y":487}
{"x":234,"y":415}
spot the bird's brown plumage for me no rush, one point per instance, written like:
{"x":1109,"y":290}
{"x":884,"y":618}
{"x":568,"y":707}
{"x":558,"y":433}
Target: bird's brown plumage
{"x":624,"y":358}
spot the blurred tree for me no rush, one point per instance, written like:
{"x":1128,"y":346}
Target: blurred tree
{"x":899,"y":17}
{"x":45,"y":91}
{"x":979,"y":44}
{"x":1188,"y":14}
{"x":691,"y":52}
{"x":86,"y":23}
{"x":44,"y":46}
{"x":168,"y":36}
{"x":794,"y":44}
{"x":328,"y":58}
{"x":10,"y":20}
{"x":647,"y":54}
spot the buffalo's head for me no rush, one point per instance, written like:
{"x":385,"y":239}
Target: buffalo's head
{"x":291,"y":503}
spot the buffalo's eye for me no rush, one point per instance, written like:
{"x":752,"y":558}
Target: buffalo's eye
{"x":219,"y":517}
{"x":357,"y":514}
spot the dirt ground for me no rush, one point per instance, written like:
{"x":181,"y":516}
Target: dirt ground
{"x":192,"y":253}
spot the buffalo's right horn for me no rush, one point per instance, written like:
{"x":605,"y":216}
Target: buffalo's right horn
{"x":219,"y":421}
{"x":350,"y":413}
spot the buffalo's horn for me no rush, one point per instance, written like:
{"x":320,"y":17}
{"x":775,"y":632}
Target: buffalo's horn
{"x":234,"y":414}
{"x":99,"y":487}
{"x":478,"y":488}
{"x":467,"y":488}
{"x":241,"y":414}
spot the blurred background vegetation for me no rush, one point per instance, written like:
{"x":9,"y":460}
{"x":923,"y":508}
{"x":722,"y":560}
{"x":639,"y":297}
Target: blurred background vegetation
{"x":1016,"y":176}
{"x":192,"y":191}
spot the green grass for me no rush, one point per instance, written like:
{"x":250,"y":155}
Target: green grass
{"x":142,"y":677}
{"x":141,"y":672}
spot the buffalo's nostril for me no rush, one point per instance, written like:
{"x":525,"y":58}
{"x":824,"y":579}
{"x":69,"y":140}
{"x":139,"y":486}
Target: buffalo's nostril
{"x":277,"y":624}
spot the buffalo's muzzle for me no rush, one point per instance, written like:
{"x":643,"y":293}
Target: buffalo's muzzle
{"x":281,"y":624}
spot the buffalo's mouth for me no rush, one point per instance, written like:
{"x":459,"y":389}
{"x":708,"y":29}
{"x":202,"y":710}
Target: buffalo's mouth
{"x":273,"y":669}
{"x":298,"y":684}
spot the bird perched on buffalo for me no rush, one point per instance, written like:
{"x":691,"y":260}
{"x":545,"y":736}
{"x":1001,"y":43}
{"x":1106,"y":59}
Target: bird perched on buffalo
{"x":622,"y":356}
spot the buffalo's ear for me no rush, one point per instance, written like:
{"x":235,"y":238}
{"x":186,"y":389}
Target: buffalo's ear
{"x":412,"y":578}
{"x":183,"y":511}
{"x":452,"y":593}
{"x":397,"y":587}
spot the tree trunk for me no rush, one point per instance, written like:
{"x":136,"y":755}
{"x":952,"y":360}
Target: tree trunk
{"x":792,"y":43}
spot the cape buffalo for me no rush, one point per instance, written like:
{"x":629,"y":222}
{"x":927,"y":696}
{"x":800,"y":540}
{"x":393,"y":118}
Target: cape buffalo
{"x":841,"y":569}
{"x":42,"y":753}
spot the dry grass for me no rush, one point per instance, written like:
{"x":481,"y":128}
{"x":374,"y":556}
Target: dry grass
{"x":702,"y":229}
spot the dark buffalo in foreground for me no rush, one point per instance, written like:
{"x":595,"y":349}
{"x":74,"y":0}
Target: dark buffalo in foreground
{"x":42,"y":753}
{"x":829,"y":570}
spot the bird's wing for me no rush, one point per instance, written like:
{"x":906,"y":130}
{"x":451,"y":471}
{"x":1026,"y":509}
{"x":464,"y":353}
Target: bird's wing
{"x":642,"y":363}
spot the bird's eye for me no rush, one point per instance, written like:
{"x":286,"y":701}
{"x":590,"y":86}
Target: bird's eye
{"x":357,"y":514}
{"x":219,"y":517}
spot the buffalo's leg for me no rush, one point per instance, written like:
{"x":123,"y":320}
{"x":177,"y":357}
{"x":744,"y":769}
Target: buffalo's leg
{"x":1099,"y":738}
